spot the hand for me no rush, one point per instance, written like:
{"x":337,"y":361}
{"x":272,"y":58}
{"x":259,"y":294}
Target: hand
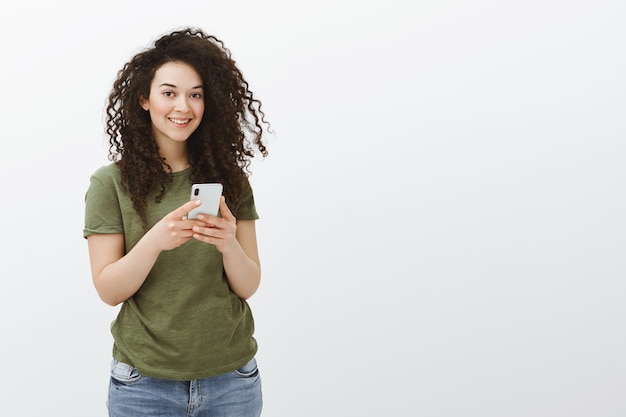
{"x":221,"y":232}
{"x":174,"y":229}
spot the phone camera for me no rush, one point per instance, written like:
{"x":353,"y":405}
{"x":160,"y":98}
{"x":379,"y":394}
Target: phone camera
{"x":196,"y":191}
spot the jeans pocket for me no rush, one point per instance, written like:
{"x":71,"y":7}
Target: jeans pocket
{"x":249,"y":370}
{"x":123,"y":373}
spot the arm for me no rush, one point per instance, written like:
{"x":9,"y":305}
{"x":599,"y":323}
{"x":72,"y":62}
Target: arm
{"x":117,"y":276}
{"x":242,"y":265}
{"x":236,"y":240}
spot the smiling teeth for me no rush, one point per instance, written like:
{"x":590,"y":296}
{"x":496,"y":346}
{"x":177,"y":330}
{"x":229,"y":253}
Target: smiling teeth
{"x":180,"y":121}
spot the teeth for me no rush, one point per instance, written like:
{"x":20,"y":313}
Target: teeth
{"x":180,"y":121}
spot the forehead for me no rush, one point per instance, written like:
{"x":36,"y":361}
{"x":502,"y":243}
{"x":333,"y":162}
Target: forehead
{"x":177,"y":74}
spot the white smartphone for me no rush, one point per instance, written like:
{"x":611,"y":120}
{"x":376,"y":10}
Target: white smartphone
{"x":210,"y":195}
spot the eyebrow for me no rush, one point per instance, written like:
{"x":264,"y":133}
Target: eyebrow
{"x":173,"y":86}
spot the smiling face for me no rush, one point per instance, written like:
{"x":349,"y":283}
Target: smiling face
{"x":175,"y":104}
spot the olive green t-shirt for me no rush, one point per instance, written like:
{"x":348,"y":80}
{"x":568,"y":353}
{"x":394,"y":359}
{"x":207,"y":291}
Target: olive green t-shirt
{"x":184,"y":322}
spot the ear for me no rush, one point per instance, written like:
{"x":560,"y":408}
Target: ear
{"x":145,"y":104}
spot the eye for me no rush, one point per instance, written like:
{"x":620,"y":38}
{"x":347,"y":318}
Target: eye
{"x":168,"y":93}
{"x":196,"y":95}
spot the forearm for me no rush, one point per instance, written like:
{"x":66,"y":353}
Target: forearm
{"x":243,"y":273}
{"x":119,"y":280}
{"x":236,"y":240}
{"x":118,"y":275}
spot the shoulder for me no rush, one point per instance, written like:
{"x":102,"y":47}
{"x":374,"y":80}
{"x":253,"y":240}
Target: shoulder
{"x":105,"y":181}
{"x":247,"y":207}
{"x":107,"y":173}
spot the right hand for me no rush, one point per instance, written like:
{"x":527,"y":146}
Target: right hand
{"x":174,"y":229}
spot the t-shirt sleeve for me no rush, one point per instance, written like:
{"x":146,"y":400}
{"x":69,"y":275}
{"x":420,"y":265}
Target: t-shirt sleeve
{"x":102,"y":208}
{"x":247,"y":208}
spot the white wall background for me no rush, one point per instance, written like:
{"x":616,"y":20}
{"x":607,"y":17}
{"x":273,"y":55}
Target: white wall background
{"x":442,"y":227}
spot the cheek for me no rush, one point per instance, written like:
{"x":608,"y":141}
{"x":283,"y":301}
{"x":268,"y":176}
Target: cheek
{"x":159,"y":108}
{"x":199,"y":110}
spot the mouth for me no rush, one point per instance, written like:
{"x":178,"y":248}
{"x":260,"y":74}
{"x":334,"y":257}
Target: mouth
{"x":179,"y":122}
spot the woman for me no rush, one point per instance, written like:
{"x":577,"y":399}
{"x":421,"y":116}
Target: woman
{"x":179,"y":113}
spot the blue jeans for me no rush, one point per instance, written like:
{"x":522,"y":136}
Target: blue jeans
{"x":236,"y":394}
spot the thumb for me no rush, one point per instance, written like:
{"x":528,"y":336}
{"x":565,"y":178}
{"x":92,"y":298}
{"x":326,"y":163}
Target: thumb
{"x":226,"y":213}
{"x":183,"y":210}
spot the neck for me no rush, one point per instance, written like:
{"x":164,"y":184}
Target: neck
{"x":176,"y":160}
{"x":175,"y":155}
{"x":177,"y":165}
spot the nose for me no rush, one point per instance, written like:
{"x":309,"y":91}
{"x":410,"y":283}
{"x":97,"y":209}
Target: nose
{"x":181,"y":104}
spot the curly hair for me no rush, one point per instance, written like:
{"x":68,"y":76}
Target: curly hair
{"x":219,"y":150}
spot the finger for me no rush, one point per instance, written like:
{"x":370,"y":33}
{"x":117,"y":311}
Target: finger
{"x":207,"y":234}
{"x":226,"y":213}
{"x":205,"y":239}
{"x":206,"y":231}
{"x":183,"y":210}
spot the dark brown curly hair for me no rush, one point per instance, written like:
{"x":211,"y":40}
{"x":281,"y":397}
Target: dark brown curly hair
{"x":219,"y":150}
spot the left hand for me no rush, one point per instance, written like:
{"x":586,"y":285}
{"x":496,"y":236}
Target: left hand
{"x":221,"y":232}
